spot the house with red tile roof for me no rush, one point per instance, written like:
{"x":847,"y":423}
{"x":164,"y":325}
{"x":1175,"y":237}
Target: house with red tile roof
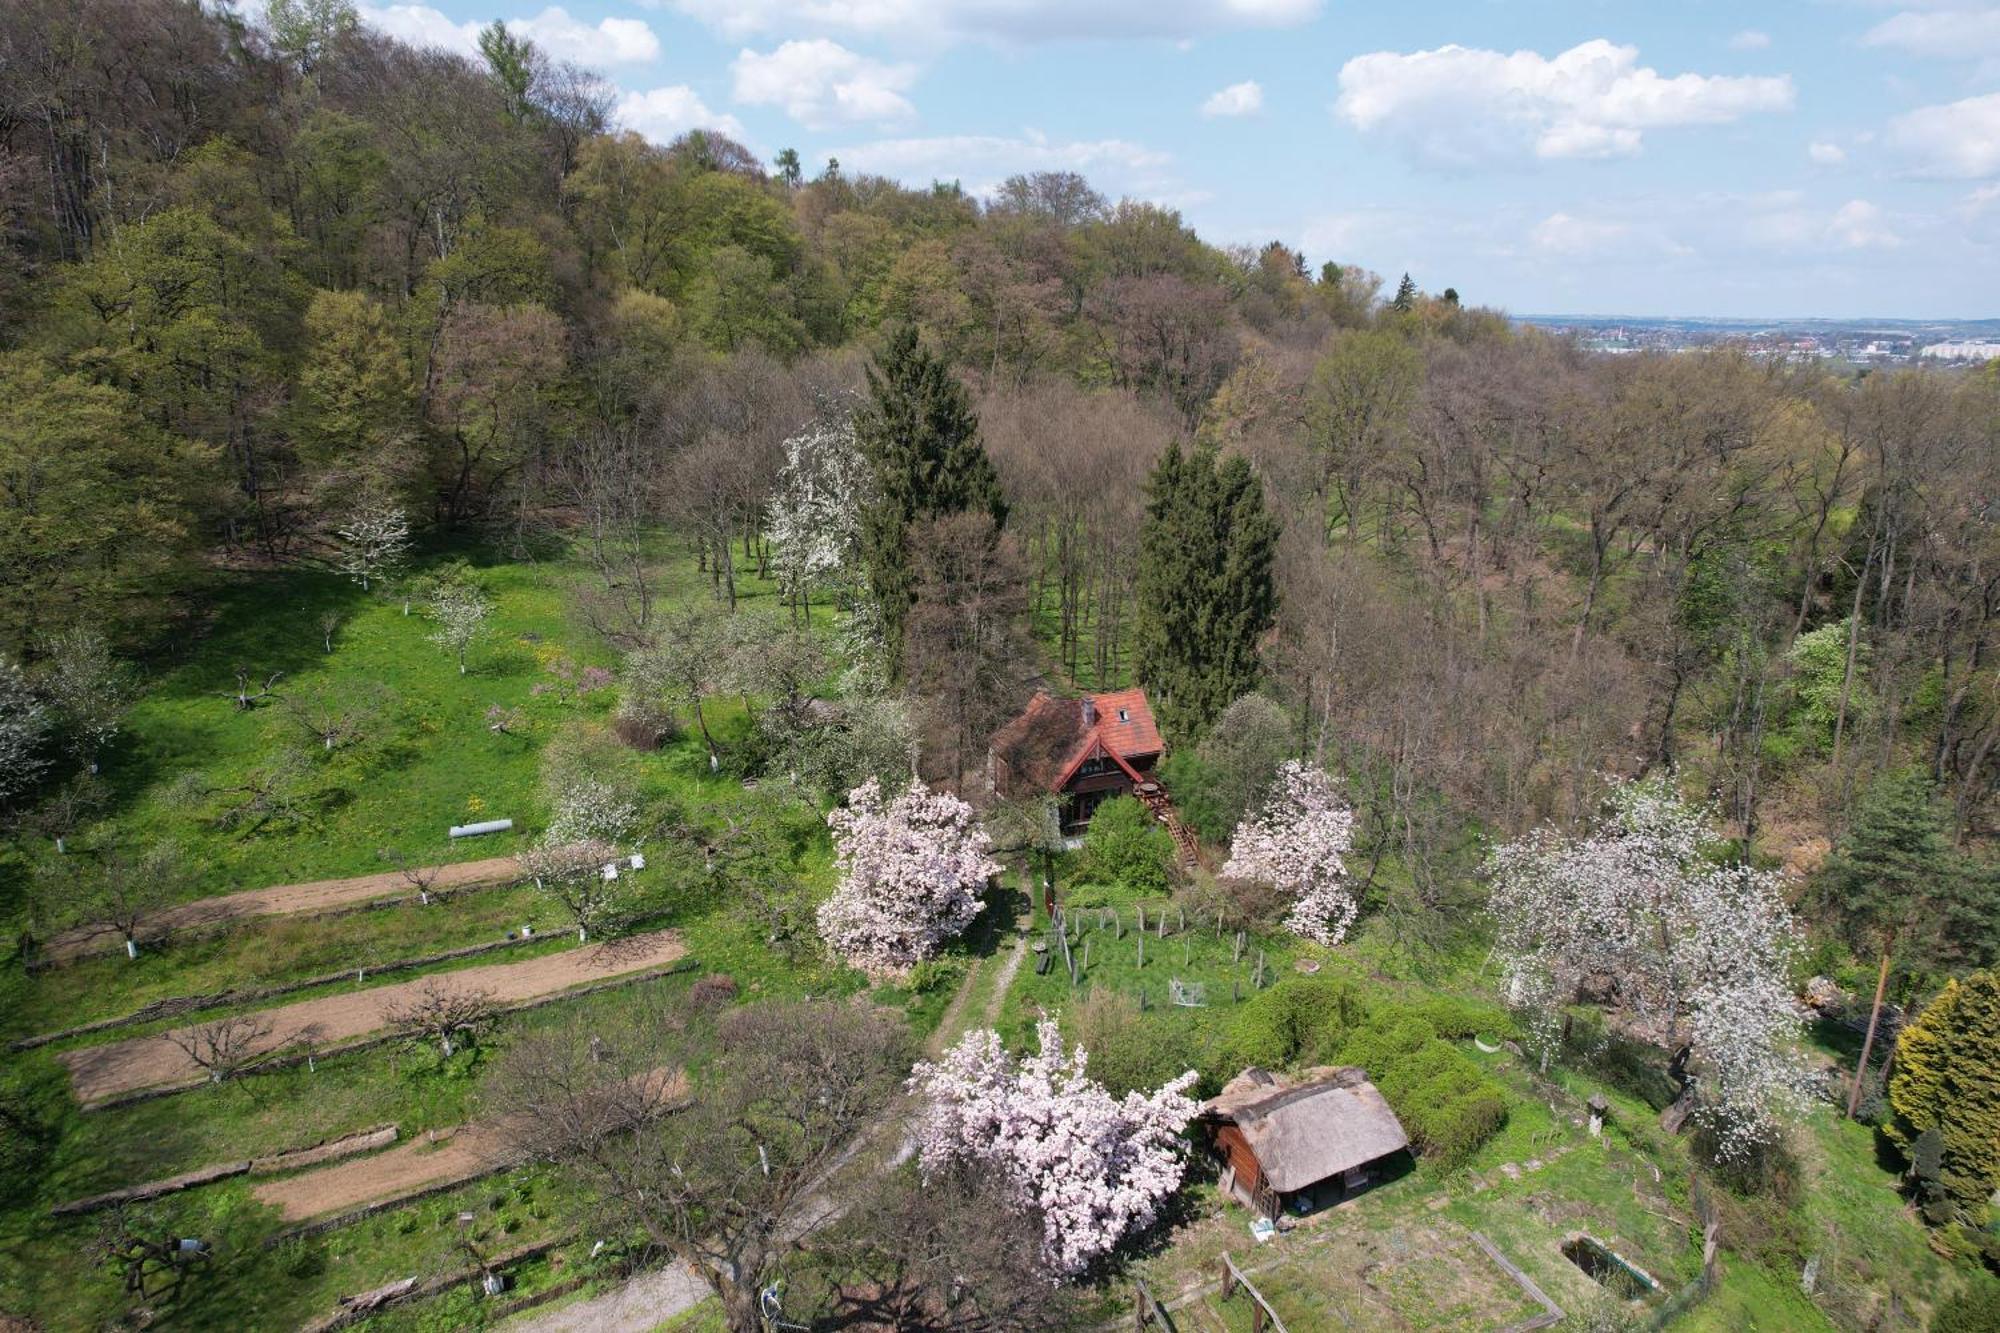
{"x":1084,"y":750}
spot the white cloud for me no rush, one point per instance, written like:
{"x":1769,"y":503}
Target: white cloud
{"x":1860,"y":225}
{"x":982,"y":161}
{"x":1750,"y":40}
{"x":1238,"y":99}
{"x":1825,"y":154}
{"x":1001,"y":20}
{"x":611,"y":42}
{"x":1947,"y":33}
{"x":1462,"y":107}
{"x":1956,"y":141}
{"x":1562,"y":234}
{"x":821,"y":83}
{"x":664,"y":114}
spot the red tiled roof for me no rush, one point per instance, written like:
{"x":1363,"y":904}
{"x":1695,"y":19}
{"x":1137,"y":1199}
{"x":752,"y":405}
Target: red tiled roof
{"x":1046,"y":744}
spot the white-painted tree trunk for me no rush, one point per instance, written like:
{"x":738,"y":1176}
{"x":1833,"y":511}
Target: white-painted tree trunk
{"x":131,"y":947}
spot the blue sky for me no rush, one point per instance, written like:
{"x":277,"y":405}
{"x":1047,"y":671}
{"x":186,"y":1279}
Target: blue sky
{"x":1830,"y":157}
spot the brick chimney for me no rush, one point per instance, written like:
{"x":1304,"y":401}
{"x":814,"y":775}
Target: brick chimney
{"x":1089,"y":712}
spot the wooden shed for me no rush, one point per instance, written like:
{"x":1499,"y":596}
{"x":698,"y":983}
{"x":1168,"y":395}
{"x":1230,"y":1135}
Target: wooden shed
{"x":1305,"y":1141}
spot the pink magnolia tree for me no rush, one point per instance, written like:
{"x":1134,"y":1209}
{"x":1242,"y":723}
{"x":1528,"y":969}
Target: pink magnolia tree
{"x":1298,"y":843}
{"x":1094,"y":1167}
{"x":911,"y":869}
{"x":1693,"y":953}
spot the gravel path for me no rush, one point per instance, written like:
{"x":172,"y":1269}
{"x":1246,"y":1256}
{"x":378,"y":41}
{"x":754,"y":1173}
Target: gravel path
{"x":317,"y":896}
{"x":98,"y":1073}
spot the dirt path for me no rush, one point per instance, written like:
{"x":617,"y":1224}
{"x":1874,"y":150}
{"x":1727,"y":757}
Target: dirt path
{"x":638,"y":1306}
{"x":98,"y":1073}
{"x":318,"y":896}
{"x":465,"y":1153}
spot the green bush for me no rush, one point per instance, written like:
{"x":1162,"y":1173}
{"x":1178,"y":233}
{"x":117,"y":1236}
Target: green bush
{"x":1457,"y":1019}
{"x":1301,"y":1020}
{"x":1127,"y":846}
{"x":1974,"y":1310}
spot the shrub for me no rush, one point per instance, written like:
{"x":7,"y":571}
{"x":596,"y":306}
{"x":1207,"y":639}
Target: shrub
{"x":1299,"y":1020}
{"x":1948,"y":1078}
{"x":1134,"y":1052}
{"x":936,"y":974}
{"x":1127,"y":846}
{"x":1974,"y":1310}
{"x":1457,"y":1019}
{"x":712,"y":991}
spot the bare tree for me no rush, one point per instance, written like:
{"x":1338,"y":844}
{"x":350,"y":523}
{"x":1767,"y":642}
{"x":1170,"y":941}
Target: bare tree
{"x":419,"y":875}
{"x":751,"y":1171}
{"x":329,"y":625}
{"x":276,"y":792}
{"x":247,"y":697}
{"x":227,"y":1048}
{"x":610,"y":478}
{"x":443,"y":1014}
{"x":333,"y":715}
{"x":152,"y":1261}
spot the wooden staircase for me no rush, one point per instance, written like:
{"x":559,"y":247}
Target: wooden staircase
{"x":1186,"y":844}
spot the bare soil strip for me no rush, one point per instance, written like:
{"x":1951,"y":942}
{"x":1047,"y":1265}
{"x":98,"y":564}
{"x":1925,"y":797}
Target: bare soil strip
{"x":418,"y":1166}
{"x":309,"y":899}
{"x":100,"y":1073}
{"x":297,"y":1158}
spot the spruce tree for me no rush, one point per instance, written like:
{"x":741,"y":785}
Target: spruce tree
{"x":1948,"y":1080}
{"x":1406,"y":295}
{"x":1903,"y":894}
{"x":1205,"y":589}
{"x":921,"y":438}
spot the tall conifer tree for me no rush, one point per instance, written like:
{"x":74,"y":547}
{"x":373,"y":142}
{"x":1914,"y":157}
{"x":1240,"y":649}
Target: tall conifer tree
{"x":921,"y":436}
{"x":1206,"y":592}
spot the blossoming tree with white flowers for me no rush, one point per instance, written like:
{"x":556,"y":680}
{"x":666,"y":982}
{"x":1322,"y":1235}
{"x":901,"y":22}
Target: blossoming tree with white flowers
{"x":911,"y":869}
{"x":1094,"y":1167}
{"x":1695,"y":952}
{"x":1298,"y":843}
{"x":814,"y":518}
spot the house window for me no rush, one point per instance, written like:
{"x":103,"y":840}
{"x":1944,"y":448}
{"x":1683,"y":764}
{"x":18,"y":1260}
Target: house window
{"x":1124,"y":716}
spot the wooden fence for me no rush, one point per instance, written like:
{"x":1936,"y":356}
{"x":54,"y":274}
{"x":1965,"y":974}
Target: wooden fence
{"x":1262,"y":1316}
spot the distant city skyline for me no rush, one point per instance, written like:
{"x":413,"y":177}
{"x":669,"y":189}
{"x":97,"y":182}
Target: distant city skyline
{"x":1816,"y":158}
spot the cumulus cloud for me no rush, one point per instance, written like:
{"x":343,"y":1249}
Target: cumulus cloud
{"x":1945,"y":33}
{"x":664,"y":114}
{"x":1238,"y":99}
{"x":821,"y":83}
{"x":612,"y":41}
{"x":1956,"y":141}
{"x":1860,"y":225}
{"x":1562,"y":234}
{"x":982,"y":161}
{"x":1750,"y":40}
{"x":1825,"y":154}
{"x":1458,"y":106}
{"x":1011,"y":21}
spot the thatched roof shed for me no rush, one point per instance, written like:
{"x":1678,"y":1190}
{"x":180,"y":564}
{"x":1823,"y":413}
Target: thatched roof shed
{"x":1306,"y":1129}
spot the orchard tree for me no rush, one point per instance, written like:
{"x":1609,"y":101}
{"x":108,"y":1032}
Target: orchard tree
{"x":24,"y":727}
{"x":1094,"y":1167}
{"x":691,"y":658}
{"x":374,"y":540}
{"x":1298,"y":844}
{"x":90,"y":689}
{"x":1698,"y":953}
{"x":585,"y":801}
{"x":582,"y":878}
{"x":911,"y":870}
{"x":461,"y":612}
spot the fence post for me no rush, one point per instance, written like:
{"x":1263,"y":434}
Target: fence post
{"x":1228,"y":1278}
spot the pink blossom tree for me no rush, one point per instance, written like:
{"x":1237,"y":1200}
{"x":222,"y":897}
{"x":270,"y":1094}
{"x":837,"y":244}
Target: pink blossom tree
{"x":911,"y":869}
{"x":1695,"y":953}
{"x":1298,"y":843}
{"x":1094,"y":1167}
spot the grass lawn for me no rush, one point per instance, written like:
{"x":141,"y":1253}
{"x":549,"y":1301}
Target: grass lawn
{"x":428,"y":761}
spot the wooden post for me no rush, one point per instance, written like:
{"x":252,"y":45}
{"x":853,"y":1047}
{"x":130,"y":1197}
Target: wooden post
{"x":1086,"y":955}
{"x":1868,"y":1042}
{"x":1142,"y":948}
{"x":1228,"y":1278}
{"x":1141,"y":910}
